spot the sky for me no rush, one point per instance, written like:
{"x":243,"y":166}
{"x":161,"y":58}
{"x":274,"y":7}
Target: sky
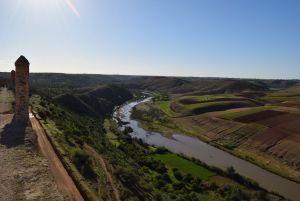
{"x":204,"y":38}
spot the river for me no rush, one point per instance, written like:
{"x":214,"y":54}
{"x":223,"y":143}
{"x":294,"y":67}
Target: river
{"x":193,"y":147}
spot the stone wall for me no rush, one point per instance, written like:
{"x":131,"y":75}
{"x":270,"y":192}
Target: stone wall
{"x":22,"y":90}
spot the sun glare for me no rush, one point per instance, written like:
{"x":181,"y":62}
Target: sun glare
{"x":48,"y":3}
{"x":72,"y":7}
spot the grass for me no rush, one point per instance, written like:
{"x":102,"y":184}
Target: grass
{"x":268,"y":162}
{"x":184,"y":165}
{"x":82,"y":185}
{"x":206,"y":98}
{"x":189,"y":105}
{"x":209,"y":104}
{"x":110,"y":135}
{"x":296,"y":111}
{"x":236,"y":114}
{"x":165,"y":106}
{"x":291,"y":94}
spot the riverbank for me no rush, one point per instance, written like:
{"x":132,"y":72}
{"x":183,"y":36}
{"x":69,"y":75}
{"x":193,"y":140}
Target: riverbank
{"x":206,"y":153}
{"x":153,"y":118}
{"x":188,"y":179}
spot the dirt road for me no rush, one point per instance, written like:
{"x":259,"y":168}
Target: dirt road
{"x":101,"y":161}
{"x":64,"y":182}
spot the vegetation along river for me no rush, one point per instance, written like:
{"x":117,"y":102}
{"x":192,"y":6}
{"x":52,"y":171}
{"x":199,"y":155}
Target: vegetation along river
{"x":208,"y":154}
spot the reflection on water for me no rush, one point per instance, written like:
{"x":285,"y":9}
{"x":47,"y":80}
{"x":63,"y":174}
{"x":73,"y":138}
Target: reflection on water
{"x":210,"y":155}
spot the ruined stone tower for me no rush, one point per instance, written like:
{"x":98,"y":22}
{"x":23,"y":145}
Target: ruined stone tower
{"x":12,"y":79}
{"x":22,"y":90}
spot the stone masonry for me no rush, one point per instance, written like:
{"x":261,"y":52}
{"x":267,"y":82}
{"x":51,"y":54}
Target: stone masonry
{"x":22,"y":90}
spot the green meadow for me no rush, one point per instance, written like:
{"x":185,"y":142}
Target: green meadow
{"x":184,"y":165}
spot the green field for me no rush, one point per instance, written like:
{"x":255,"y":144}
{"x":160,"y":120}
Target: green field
{"x":237,"y":114}
{"x":188,"y":105}
{"x":207,"y":98}
{"x":185,"y":166}
{"x":209,"y":104}
{"x":165,"y":106}
{"x":291,"y":94}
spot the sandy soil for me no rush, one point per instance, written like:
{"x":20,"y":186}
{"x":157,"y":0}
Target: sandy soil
{"x":64,"y":182}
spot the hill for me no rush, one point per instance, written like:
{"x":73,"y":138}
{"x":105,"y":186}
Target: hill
{"x":54,"y":84}
{"x":97,"y":102}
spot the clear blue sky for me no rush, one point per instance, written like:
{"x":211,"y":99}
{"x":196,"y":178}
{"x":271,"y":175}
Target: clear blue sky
{"x":226,"y":38}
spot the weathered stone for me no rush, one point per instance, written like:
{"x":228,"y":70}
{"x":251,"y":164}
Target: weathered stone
{"x":22,"y":90}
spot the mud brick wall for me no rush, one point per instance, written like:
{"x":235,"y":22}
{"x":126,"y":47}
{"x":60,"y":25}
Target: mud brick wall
{"x":22,"y":90}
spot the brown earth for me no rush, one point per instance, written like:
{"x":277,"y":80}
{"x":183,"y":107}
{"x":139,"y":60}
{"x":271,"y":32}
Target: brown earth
{"x":282,"y":140}
{"x":259,"y":116}
{"x":275,"y":121}
{"x":24,"y":176}
{"x":64,"y":182}
{"x":205,"y":125}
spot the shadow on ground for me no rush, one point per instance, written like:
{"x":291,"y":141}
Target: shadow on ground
{"x":15,"y":134}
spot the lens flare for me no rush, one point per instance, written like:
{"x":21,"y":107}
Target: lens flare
{"x":72,"y":7}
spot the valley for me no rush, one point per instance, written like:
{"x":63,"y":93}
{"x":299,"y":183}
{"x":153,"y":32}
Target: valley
{"x":146,"y":100}
{"x":266,"y":133}
{"x":219,"y":117}
{"x":192,"y":147}
{"x":106,"y":163}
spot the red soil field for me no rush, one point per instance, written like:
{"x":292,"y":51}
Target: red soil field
{"x":281,"y":119}
{"x":259,"y":116}
{"x":281,"y":141}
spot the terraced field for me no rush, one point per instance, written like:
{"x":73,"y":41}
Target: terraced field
{"x":194,"y":105}
{"x":284,"y":96}
{"x":264,"y":131}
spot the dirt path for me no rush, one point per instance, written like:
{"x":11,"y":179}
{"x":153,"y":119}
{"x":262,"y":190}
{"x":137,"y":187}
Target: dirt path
{"x":101,"y":161}
{"x":64,"y":182}
{"x":24,"y":175}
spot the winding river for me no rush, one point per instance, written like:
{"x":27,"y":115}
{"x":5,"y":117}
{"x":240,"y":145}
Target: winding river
{"x":208,"y":154}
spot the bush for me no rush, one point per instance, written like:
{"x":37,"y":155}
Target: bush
{"x":83,"y":163}
{"x":177,"y":174}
